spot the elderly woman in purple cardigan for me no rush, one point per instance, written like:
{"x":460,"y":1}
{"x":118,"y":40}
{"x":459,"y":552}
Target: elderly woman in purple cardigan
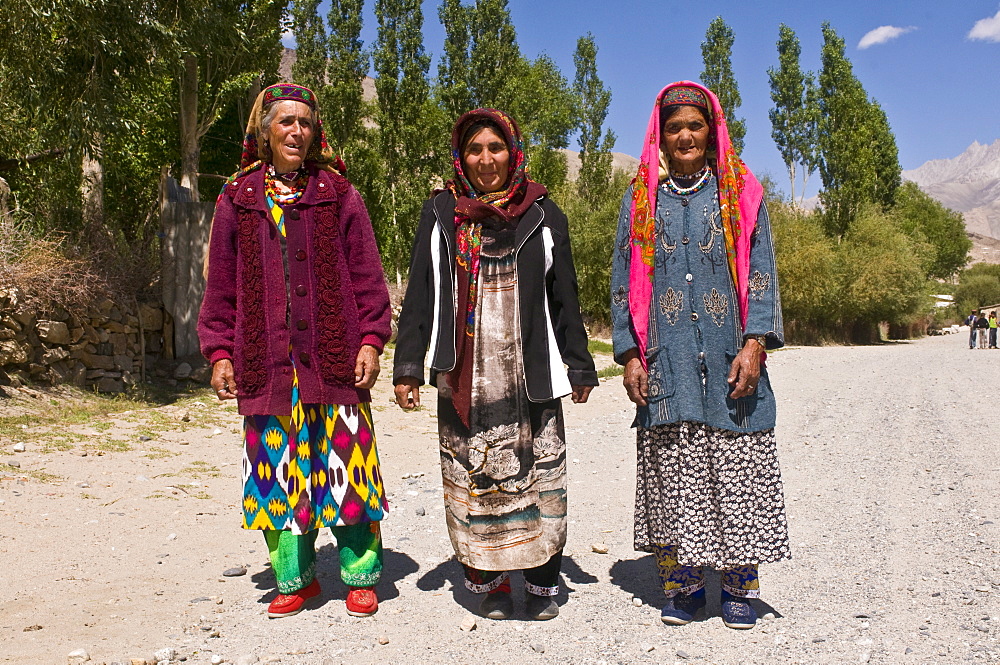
{"x":295,"y":315}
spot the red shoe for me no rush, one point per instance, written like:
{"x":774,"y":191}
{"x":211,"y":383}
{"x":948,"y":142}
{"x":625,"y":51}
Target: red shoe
{"x":362,"y":601}
{"x":288,"y":604}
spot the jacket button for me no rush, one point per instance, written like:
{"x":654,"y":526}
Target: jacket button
{"x":685,"y":240}
{"x":305,"y":357}
{"x":249,"y":189}
{"x":689,"y":277}
{"x":301,"y":290}
{"x":300,"y":255}
{"x":322,"y":185}
{"x":293,"y":214}
{"x":694,"y":316}
{"x":302,"y":324}
{"x":684,"y":202}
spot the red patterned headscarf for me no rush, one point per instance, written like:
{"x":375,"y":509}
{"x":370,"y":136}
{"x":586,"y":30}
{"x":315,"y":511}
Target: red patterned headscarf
{"x":257,"y":152}
{"x":740,"y":197}
{"x":471,"y":208}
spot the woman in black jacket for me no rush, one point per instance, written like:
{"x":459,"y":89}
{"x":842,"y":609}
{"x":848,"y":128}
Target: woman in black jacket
{"x":492,"y":293}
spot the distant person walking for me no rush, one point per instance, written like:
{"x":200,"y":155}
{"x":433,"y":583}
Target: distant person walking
{"x":971,"y":322}
{"x":982,"y":327}
{"x":993,"y":329}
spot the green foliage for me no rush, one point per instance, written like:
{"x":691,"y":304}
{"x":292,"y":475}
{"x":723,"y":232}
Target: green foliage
{"x":594,"y":99}
{"x":859,"y":160}
{"x":795,"y":116}
{"x":808,"y":268}
{"x":924,"y":219}
{"x":495,"y":62}
{"x":978,"y":286}
{"x":453,"y":88}
{"x":718,"y":76}
{"x":544,"y":108}
{"x":343,"y":102}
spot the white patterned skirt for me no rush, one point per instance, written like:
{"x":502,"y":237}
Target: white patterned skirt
{"x":714,"y":493}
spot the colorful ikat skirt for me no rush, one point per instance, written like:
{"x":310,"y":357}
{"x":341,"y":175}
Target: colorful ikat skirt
{"x":318,"y":467}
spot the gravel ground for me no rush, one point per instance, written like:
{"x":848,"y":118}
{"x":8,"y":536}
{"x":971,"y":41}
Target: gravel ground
{"x":890,"y":478}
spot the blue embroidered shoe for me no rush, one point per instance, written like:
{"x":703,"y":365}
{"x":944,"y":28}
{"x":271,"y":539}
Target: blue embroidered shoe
{"x":737,"y":612}
{"x":682,"y":608}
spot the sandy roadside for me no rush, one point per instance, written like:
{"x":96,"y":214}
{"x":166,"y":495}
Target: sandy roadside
{"x":891,"y":478}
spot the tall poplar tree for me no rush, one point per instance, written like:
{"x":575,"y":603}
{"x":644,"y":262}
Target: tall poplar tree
{"x":309,"y":68}
{"x":716,"y":51}
{"x":344,"y":108}
{"x":453,"y":68}
{"x":795,"y":114}
{"x":859,"y":160}
{"x":495,"y":62}
{"x":405,"y":147}
{"x":593,"y":100}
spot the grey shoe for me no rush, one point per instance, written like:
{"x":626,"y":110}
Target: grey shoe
{"x":497,"y":606}
{"x":540,"y":608}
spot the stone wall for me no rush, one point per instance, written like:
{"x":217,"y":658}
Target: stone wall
{"x":109,"y":348}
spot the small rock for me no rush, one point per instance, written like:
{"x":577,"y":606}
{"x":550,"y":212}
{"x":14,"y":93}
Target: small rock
{"x":468,"y":624}
{"x":216,"y":431}
{"x":599,"y":548}
{"x":647,"y":647}
{"x":682,"y":654}
{"x":166,"y":654}
{"x":18,"y":447}
{"x":81,"y":453}
{"x":172,"y":536}
{"x":83,"y":485}
{"x":186,"y":418}
{"x":860,"y":615}
{"x":382,"y":639}
{"x":420,"y":511}
{"x":14,"y":463}
{"x":908,"y":650}
{"x":34,"y":628}
{"x":864,"y":658}
{"x":983,"y":589}
{"x":77,"y":657}
{"x":817,"y":640}
{"x":216,"y":659}
{"x":138,"y":661}
{"x":539,"y":648}
{"x":183,"y":371}
{"x":143,"y":437}
{"x":200,"y":599}
{"x":234,"y":572}
{"x":768,"y":616}
{"x":637,"y":602}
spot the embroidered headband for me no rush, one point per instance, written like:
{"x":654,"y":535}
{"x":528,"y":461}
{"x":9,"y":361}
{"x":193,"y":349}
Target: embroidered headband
{"x":283,"y":91}
{"x":685,"y":95}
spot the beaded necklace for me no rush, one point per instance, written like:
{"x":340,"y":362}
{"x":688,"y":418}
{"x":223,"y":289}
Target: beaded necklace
{"x":292,"y":189}
{"x":703,"y":177}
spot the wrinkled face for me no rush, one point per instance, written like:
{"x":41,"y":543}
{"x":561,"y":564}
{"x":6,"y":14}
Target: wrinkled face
{"x":290,"y":134}
{"x":685,"y":140}
{"x":486,"y":159}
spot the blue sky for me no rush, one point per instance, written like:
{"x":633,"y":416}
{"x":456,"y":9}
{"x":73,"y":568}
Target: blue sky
{"x":938,"y":86}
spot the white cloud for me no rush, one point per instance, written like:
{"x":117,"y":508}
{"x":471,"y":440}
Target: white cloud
{"x":882,"y":34}
{"x":986,"y":29}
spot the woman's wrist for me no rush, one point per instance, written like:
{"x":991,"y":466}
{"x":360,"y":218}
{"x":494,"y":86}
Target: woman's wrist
{"x":760,"y":339}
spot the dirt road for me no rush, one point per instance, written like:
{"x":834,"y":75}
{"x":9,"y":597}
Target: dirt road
{"x":891,"y":476}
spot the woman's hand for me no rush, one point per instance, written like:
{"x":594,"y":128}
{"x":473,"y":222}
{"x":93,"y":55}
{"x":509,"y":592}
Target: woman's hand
{"x":745,"y":372}
{"x":408,"y":393}
{"x":224,"y":379}
{"x":581,"y":393}
{"x":636,"y":379}
{"x":366,"y":368}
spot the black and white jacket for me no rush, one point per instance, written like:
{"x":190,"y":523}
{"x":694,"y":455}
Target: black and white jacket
{"x":552,"y":334}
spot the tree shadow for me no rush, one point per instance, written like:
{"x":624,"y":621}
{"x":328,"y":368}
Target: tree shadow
{"x":451,"y":571}
{"x":639,"y":578}
{"x":395,"y":566}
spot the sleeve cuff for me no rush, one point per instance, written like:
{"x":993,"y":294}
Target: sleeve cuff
{"x":413,"y":370}
{"x":583,"y":377}
{"x":221,"y":354}
{"x":373,"y":340}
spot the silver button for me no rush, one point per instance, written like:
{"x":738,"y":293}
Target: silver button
{"x":701,"y":355}
{"x":322,"y":185}
{"x":689,"y":277}
{"x":694,"y":316}
{"x":684,"y":202}
{"x":249,"y":189}
{"x":685,"y":240}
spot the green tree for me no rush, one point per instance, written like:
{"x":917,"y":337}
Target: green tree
{"x":795,"y":115}
{"x":978,"y":286}
{"x":453,"y":88}
{"x":403,"y":99}
{"x":926,"y":220}
{"x":309,"y":68}
{"x":344,"y":107}
{"x":544,"y":109}
{"x":495,"y":62}
{"x":593,"y":100}
{"x":718,"y":76}
{"x":859,"y":160}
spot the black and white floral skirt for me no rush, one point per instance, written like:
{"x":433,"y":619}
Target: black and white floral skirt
{"x":714,"y":493}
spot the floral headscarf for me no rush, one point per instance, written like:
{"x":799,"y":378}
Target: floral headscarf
{"x":740,"y":196}
{"x":472,"y":208}
{"x":257,"y":152}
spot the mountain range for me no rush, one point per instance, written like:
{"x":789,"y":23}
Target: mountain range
{"x":969,"y":184}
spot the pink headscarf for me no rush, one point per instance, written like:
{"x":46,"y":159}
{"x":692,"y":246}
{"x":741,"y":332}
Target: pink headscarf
{"x":740,"y":196}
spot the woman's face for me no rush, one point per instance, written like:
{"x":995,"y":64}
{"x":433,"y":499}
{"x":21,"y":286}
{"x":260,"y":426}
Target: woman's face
{"x":290,"y":135}
{"x":685,"y":137}
{"x":486,"y":159}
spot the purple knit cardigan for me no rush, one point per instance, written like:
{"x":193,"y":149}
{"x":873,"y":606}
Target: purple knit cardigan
{"x":336,"y":301}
